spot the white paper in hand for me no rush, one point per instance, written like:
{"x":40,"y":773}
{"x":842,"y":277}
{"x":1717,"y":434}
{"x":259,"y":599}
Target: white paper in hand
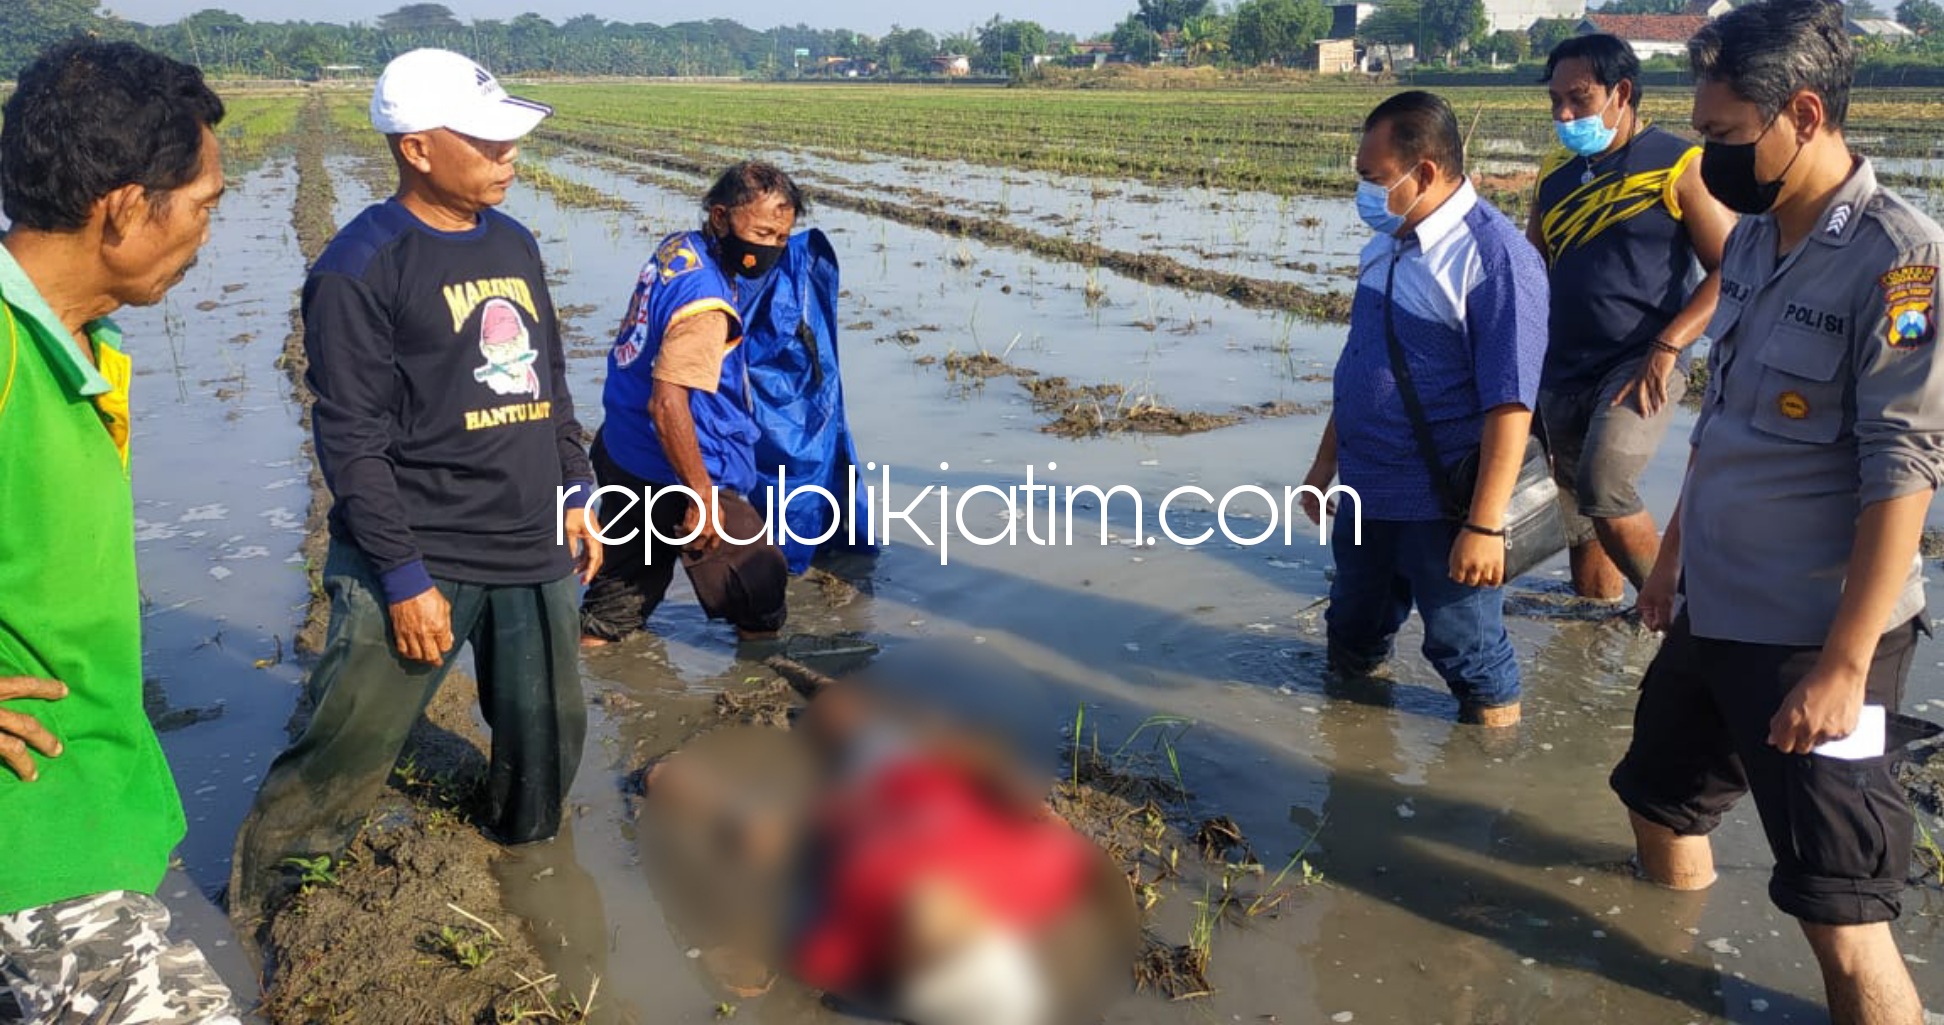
{"x":1866,"y":742}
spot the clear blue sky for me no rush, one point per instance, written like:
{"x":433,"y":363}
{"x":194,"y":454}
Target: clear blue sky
{"x":869,"y":16}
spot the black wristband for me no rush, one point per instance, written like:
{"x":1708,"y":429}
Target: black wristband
{"x":1476,"y":529}
{"x":1659,"y":346}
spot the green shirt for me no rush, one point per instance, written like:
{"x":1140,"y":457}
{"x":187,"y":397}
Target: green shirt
{"x":104,"y":815}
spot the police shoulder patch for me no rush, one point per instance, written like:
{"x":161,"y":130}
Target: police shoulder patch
{"x":1910,"y":306}
{"x":676,"y":258}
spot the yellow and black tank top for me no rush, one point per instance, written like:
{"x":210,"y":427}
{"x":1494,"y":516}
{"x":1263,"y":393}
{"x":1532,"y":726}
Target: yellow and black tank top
{"x":1619,"y":253}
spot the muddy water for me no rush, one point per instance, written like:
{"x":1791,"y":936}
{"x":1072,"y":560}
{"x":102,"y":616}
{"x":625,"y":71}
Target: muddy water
{"x":221,"y":493}
{"x":221,"y":489}
{"x":1464,"y":881}
{"x":1259,"y":234}
{"x":941,"y":296}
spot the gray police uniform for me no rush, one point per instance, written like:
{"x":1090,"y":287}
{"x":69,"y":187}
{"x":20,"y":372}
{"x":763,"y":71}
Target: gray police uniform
{"x":1825,"y":396}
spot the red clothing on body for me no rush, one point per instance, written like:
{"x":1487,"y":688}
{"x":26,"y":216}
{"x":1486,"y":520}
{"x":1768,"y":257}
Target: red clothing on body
{"x":919,"y":820}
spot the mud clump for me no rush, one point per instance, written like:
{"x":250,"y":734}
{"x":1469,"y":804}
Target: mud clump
{"x":769,"y":704}
{"x":1177,"y":971}
{"x":311,"y":218}
{"x":1054,"y":392}
{"x":978,"y":366}
{"x":1218,"y":836}
{"x":1123,"y":813}
{"x":835,"y":591}
{"x":166,"y":718}
{"x":1922,"y":777}
{"x":1086,"y":419}
{"x":409,"y":925}
{"x":1085,"y":411}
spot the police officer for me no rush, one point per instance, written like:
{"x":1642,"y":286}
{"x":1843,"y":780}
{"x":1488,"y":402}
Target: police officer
{"x":1818,"y":449}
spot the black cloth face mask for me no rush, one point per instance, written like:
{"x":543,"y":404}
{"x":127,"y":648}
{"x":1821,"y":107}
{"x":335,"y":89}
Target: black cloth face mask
{"x":1728,"y":170}
{"x":747,"y":259}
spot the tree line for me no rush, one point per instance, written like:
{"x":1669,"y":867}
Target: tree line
{"x":225,"y":44}
{"x":1247,"y":33}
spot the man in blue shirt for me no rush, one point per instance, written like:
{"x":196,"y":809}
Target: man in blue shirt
{"x":1469,"y":300}
{"x":679,"y":416}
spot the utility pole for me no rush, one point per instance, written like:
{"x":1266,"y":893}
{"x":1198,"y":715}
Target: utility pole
{"x":1419,"y":57}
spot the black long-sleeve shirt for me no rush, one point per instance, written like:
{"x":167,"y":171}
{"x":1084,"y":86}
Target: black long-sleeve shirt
{"x":443,"y":422}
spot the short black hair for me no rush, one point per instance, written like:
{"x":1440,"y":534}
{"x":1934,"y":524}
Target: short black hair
{"x":1611,"y":59}
{"x":1766,"y":52}
{"x":1422,"y":127}
{"x":749,"y":180}
{"x":90,"y":117}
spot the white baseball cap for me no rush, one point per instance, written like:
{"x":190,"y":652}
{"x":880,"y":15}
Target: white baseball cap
{"x":427,"y":89}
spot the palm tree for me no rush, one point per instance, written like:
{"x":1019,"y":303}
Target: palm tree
{"x":1205,"y":38}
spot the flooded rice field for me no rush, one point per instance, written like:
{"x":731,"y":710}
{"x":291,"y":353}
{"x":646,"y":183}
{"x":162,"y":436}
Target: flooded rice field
{"x":1452,"y":877}
{"x":1305,"y":239}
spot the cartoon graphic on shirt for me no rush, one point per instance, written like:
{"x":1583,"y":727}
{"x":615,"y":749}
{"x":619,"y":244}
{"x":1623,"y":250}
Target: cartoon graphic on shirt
{"x":508,"y":347}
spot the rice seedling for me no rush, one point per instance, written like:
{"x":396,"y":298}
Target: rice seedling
{"x":1283,"y":140}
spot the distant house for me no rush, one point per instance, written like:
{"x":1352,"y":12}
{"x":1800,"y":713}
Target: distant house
{"x":1650,"y":35}
{"x":1518,"y":15}
{"x":1172,"y":49}
{"x":1093,"y":54}
{"x":951,"y":65}
{"x":1382,"y":57}
{"x":1334,"y":56}
{"x":1709,"y":8}
{"x":1881,"y":29}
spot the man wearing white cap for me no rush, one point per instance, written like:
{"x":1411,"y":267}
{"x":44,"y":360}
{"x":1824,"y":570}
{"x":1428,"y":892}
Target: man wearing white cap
{"x":445,"y":431}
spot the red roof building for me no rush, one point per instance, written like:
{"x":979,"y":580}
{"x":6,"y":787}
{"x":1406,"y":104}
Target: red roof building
{"x":1650,"y":35}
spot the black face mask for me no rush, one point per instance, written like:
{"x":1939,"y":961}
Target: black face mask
{"x":748,"y":259}
{"x":1728,"y":170}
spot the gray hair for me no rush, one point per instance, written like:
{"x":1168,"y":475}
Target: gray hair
{"x":1767,"y":52}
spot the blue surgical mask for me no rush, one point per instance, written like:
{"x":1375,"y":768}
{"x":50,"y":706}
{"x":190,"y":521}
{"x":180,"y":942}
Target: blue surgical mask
{"x":1587,"y":136}
{"x":1373,"y":205}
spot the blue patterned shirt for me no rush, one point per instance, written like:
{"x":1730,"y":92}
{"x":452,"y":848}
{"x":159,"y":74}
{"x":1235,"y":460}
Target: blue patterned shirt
{"x":1471,"y":314}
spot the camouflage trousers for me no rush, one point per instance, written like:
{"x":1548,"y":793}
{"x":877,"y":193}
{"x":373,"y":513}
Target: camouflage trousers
{"x":105,"y":960}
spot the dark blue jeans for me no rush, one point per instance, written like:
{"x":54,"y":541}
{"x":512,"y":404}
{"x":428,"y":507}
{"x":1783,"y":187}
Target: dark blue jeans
{"x":1404,"y":563}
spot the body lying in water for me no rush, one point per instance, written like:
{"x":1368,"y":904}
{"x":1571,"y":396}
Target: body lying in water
{"x":895,"y":857}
